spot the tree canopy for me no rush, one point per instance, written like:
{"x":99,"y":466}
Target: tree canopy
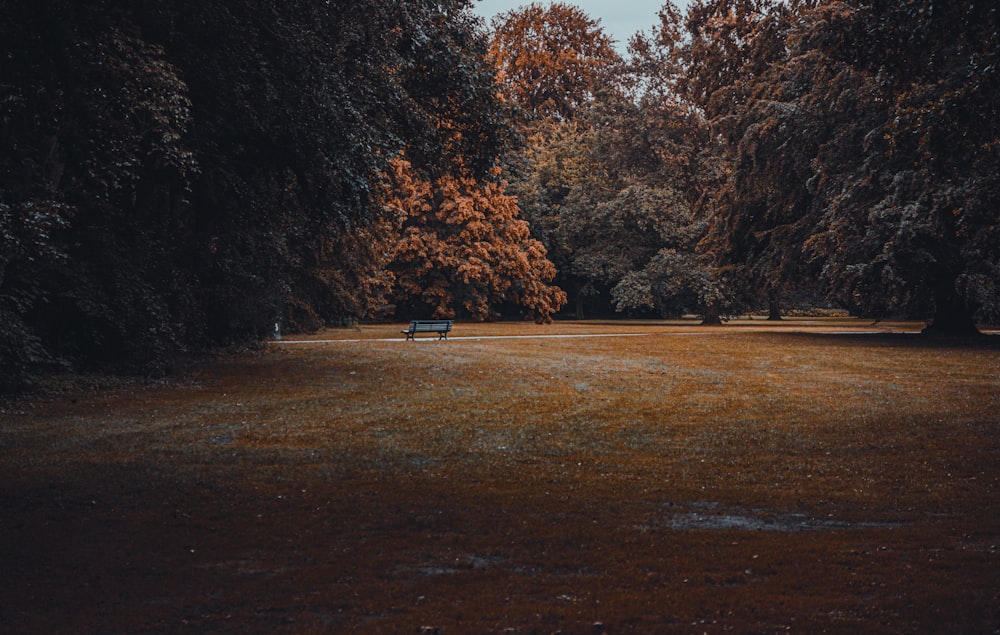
{"x":610,"y":184}
{"x":550,"y":59}
{"x":463,"y":248}
{"x":184,"y":174}
{"x":873,"y":175}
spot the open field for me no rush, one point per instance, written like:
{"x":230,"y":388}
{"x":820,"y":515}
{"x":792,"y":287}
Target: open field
{"x":810,"y":476}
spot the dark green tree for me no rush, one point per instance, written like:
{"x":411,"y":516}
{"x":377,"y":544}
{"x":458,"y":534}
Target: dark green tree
{"x":630,"y":222}
{"x":910,"y":223}
{"x":729,"y":49}
{"x":92,"y":189}
{"x":183,"y":174}
{"x":870,"y":174}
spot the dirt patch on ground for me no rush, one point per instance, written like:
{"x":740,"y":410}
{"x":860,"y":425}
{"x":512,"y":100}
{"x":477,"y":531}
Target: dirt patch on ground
{"x":745,"y":479}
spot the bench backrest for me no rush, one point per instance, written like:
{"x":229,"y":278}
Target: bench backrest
{"x":430,"y":326}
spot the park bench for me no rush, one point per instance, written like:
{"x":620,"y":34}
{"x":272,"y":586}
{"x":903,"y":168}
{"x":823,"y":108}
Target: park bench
{"x":441,"y":327}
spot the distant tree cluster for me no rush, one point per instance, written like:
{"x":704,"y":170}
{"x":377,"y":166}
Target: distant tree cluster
{"x":760,"y":153}
{"x":611,"y":179}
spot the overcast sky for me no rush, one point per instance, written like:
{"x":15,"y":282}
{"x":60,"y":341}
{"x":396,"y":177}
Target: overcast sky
{"x":620,"y":19}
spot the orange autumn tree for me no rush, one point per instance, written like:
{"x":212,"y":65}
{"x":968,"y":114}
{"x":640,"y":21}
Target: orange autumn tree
{"x":550,"y":59}
{"x":462,"y":249}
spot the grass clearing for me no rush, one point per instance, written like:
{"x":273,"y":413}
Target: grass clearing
{"x":808,"y":476}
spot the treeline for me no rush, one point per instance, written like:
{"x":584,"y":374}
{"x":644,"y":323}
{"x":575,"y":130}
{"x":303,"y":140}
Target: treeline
{"x":182,"y":175}
{"x":766,"y":154}
{"x":178,"y":176}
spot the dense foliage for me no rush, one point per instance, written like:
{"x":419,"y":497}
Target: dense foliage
{"x":550,"y":59}
{"x":179,"y":175}
{"x":464,"y":251}
{"x":760,"y":153}
{"x":863,"y":141}
{"x":610,"y":179}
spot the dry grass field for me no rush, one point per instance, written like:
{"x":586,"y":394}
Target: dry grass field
{"x":808,"y":476}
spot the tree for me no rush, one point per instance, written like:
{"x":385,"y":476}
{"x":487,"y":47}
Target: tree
{"x":913,"y":227}
{"x":864,"y":174}
{"x":730,"y":50}
{"x":313,"y":101}
{"x":608,"y":175}
{"x":554,"y":159}
{"x":464,"y":249}
{"x":729,"y":45}
{"x":97,"y":120}
{"x":550,"y":59}
{"x":629,"y":223}
{"x":182,"y":174}
{"x":638,"y":243}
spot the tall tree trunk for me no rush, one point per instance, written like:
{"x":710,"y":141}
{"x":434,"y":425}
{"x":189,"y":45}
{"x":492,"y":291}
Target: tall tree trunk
{"x":773,"y":309}
{"x":712,"y":315}
{"x":952,"y":316}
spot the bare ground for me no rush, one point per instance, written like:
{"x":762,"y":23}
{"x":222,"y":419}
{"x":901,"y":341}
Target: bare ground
{"x":750,"y":479}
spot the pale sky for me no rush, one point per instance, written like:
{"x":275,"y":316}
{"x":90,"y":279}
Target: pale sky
{"x":620,"y":19}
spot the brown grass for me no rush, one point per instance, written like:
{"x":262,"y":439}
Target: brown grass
{"x":754,"y":478}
